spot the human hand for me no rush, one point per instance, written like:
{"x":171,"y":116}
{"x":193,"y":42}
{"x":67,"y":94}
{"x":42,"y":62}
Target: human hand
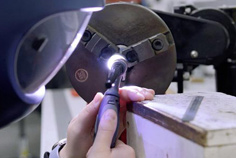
{"x":130,"y":94}
{"x":81,"y":129}
{"x":101,"y":146}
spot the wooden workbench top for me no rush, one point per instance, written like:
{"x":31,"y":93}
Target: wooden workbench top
{"x":214,"y":124}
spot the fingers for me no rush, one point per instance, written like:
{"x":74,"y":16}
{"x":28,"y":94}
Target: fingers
{"x":131,"y":95}
{"x":86,"y":118}
{"x":134,"y":93}
{"x":128,"y":94}
{"x":80,"y":129}
{"x":106,"y":130}
{"x":123,"y":150}
{"x":119,"y":143}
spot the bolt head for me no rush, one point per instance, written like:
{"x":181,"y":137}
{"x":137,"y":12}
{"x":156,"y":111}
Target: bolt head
{"x":106,"y":53}
{"x":131,"y":56}
{"x":157,"y":44}
{"x":86,"y":36}
{"x":194,"y":54}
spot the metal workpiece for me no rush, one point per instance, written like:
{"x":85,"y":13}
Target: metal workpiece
{"x":103,"y":48}
{"x":208,"y":32}
{"x":127,"y":24}
{"x":192,"y":109}
{"x":226,"y":21}
{"x":212,"y":41}
{"x":133,"y":31}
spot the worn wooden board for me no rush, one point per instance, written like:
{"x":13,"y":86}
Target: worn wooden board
{"x":151,"y":140}
{"x":214,"y":124}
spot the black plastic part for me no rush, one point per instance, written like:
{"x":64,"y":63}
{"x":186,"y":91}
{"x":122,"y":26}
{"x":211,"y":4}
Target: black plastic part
{"x":108,"y":84}
{"x":180,"y":80}
{"x":116,"y":70}
{"x":46,"y":154}
{"x":226,"y":78}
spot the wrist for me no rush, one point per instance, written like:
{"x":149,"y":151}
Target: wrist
{"x":63,"y":152}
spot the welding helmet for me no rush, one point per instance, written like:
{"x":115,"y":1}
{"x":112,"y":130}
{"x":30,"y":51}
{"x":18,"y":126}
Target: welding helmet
{"x":36,"y":39}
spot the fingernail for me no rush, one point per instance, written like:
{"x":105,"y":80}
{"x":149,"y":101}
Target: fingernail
{"x":110,"y":115}
{"x":151,"y":91}
{"x":96,"y":100}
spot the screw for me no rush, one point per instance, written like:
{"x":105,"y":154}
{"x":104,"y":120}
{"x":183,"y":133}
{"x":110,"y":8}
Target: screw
{"x":106,"y":53}
{"x":86,"y":36}
{"x":194,"y":54}
{"x":157,"y":44}
{"x":131,"y":56}
{"x":188,"y":10}
{"x":186,"y":75}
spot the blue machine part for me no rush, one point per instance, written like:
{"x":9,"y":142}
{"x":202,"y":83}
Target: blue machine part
{"x":36,"y":39}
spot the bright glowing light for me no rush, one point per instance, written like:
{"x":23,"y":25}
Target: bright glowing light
{"x":36,"y":96}
{"x":92,"y":9}
{"x":113,"y":59}
{"x":76,"y":41}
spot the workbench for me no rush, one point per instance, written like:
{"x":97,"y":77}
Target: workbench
{"x":155,"y":128}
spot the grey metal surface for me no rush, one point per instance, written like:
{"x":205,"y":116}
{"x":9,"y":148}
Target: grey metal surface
{"x":123,"y":28}
{"x":192,"y":109}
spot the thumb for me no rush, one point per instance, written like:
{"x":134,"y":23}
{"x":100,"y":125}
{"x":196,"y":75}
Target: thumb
{"x":106,"y":130}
